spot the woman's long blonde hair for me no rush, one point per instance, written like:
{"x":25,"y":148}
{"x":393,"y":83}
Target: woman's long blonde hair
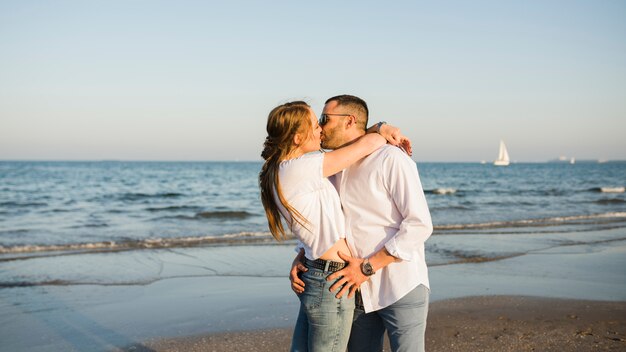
{"x":283,"y":123}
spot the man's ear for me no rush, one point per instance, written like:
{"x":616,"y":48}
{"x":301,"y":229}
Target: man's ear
{"x":350,"y":121}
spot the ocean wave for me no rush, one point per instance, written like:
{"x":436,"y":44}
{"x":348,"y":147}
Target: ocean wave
{"x":174,"y":208}
{"x":22,"y":251}
{"x":552,"y":192}
{"x":610,"y":201}
{"x":58,"y":211}
{"x":441,"y":191}
{"x":14,"y":232}
{"x":221,"y":215}
{"x":451,"y":207}
{"x":506,"y":202}
{"x":549,"y":192}
{"x":561,"y":220}
{"x":608,"y":189}
{"x":89,"y":225}
{"x":22,"y":205}
{"x":138,"y":196}
{"x":148,"y":243}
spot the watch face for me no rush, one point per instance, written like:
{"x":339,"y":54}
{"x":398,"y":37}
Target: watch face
{"x":367,"y":269}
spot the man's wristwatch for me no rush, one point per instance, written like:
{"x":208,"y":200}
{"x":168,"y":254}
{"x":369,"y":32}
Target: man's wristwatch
{"x":379,"y":125}
{"x":366,"y":268}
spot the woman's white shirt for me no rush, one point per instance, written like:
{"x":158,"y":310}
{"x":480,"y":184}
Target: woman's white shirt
{"x":305,"y":188}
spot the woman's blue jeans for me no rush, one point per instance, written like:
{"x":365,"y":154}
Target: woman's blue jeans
{"x":324,"y":321}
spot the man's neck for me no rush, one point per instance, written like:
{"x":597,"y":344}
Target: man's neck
{"x":351,"y":137}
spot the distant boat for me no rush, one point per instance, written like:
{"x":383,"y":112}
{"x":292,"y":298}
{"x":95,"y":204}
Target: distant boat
{"x":503,"y":156}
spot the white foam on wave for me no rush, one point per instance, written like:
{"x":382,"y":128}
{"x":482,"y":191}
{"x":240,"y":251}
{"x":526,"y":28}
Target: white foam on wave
{"x":63,"y":247}
{"x":514,"y":223}
{"x":263,"y":237}
{"x":148,"y":243}
{"x":444,"y":191}
{"x":612,"y":189}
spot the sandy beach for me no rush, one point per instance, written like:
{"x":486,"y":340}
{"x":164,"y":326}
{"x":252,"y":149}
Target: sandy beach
{"x":486,"y":323}
{"x":561,"y":291}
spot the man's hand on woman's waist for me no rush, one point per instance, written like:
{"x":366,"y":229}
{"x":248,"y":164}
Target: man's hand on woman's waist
{"x":351,"y":277}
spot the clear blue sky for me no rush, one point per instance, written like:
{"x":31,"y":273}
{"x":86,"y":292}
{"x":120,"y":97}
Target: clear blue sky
{"x":194,"y":80}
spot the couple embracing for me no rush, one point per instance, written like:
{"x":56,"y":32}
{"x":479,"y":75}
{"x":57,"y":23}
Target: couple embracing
{"x":361,"y":220}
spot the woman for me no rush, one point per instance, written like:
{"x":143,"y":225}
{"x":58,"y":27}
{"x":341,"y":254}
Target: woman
{"x":294,"y":186}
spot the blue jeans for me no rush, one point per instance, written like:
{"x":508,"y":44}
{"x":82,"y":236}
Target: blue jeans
{"x":324,"y":321}
{"x":405,"y":321}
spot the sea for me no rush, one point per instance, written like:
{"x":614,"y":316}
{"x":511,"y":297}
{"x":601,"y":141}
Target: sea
{"x":63,"y":209}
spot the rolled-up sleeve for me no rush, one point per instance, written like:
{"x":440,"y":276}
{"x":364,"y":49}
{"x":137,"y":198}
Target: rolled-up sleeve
{"x":404,"y":186}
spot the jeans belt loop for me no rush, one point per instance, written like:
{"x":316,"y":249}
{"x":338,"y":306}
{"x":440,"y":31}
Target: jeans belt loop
{"x":327,"y":266}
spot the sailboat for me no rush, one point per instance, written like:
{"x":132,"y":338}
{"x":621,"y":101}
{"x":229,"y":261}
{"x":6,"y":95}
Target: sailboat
{"x":503,"y":156}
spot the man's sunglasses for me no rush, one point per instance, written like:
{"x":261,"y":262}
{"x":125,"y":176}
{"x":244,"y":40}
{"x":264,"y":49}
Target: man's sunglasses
{"x":324,"y":118}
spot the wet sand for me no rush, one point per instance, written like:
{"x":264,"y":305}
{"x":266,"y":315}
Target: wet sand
{"x":486,"y":323}
{"x":237,"y":298}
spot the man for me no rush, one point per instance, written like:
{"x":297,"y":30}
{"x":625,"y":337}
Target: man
{"x":388,"y":222}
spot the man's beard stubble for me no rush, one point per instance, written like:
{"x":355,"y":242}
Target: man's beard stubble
{"x":331,"y":139}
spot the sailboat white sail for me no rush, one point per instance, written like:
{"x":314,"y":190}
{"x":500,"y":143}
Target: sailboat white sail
{"x":503,"y":156}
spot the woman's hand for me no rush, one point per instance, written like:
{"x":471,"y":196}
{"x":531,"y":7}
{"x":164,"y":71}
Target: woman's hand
{"x":297,"y":285}
{"x":393,"y":135}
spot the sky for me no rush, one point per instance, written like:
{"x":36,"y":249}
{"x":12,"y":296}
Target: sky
{"x":195,"y":80}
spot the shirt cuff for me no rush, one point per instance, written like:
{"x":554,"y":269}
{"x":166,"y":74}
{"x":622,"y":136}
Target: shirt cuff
{"x":393,"y":249}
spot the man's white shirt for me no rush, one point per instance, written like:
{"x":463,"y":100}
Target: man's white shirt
{"x":384,"y":206}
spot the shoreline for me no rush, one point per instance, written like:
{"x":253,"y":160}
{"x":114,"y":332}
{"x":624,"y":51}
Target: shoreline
{"x":135,"y":299}
{"x":479,"y":323}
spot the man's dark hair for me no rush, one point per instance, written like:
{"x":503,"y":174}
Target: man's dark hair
{"x":356,"y":104}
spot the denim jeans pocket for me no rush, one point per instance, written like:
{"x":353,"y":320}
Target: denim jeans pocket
{"x":315,"y":285}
